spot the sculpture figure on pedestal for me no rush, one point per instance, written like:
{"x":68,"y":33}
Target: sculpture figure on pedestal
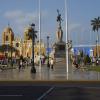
{"x":59,"y":31}
{"x":59,"y":45}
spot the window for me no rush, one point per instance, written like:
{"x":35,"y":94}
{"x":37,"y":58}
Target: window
{"x":17,"y":44}
{"x":7,"y":38}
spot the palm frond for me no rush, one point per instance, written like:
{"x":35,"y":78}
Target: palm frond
{"x":96,"y":24}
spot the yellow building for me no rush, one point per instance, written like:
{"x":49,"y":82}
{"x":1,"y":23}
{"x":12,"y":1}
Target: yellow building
{"x":7,"y":39}
{"x":23,"y":46}
{"x":27,"y":43}
{"x":96,"y":51}
{"x":17,"y":44}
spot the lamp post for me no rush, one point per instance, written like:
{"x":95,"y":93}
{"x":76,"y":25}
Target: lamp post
{"x":48,"y":65}
{"x":40,"y":34}
{"x":32,"y":34}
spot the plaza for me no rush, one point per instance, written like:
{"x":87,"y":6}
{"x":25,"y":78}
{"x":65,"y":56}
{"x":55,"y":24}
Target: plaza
{"x":48,"y":74}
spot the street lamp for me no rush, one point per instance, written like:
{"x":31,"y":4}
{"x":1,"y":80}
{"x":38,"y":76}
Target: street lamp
{"x":48,"y":65}
{"x":32,"y":34}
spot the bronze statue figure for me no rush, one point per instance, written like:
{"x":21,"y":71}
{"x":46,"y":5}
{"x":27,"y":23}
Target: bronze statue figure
{"x":59,"y":32}
{"x":59,"y":19}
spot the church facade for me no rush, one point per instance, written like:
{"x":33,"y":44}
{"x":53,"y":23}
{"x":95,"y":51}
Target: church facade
{"x":23,"y":46}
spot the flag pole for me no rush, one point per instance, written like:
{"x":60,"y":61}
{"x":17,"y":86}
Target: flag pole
{"x":66,"y":20}
{"x":39,"y":36}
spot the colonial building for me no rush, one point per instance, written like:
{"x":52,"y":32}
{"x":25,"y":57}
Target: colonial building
{"x":7,"y":39}
{"x":23,"y":46}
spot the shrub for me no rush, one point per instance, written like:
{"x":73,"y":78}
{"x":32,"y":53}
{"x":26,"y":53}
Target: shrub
{"x":87,"y":59}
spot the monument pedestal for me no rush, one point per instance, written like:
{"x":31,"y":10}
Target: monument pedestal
{"x":59,"y":50}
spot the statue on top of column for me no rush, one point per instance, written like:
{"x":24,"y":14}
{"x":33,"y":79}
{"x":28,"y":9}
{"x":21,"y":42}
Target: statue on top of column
{"x":59,"y":19}
{"x":59,"y":32}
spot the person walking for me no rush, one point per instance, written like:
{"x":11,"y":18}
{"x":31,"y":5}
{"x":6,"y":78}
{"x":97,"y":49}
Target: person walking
{"x":51,"y":63}
{"x":21,"y":60}
{"x":19,"y":64}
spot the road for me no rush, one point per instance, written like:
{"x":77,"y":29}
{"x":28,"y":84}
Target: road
{"x":49,"y":93}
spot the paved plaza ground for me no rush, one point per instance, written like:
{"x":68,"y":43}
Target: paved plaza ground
{"x":47,"y":74}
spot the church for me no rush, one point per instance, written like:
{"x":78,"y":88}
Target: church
{"x":16,"y":47}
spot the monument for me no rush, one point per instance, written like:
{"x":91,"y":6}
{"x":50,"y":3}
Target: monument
{"x":59,"y":46}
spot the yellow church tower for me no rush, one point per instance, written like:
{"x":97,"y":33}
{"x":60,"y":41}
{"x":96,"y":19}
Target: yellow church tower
{"x":8,"y":38}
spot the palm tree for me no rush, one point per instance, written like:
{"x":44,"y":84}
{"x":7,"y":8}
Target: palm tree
{"x":95,"y":27}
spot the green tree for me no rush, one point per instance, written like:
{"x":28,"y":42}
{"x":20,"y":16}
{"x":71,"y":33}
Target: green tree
{"x":95,"y":27}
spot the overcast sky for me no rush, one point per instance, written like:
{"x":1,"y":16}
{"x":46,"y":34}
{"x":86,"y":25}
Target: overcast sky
{"x":20,"y":13}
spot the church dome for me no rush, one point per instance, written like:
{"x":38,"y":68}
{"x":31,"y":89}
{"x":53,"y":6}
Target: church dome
{"x":8,"y":29}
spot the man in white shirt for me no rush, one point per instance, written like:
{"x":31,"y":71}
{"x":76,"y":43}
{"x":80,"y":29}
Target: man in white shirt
{"x":51,"y":63}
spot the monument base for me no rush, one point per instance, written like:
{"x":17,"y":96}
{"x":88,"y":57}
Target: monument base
{"x":60,"y":50}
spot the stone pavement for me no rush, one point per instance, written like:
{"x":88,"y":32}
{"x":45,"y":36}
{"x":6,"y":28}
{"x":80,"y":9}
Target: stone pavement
{"x":45,"y":74}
